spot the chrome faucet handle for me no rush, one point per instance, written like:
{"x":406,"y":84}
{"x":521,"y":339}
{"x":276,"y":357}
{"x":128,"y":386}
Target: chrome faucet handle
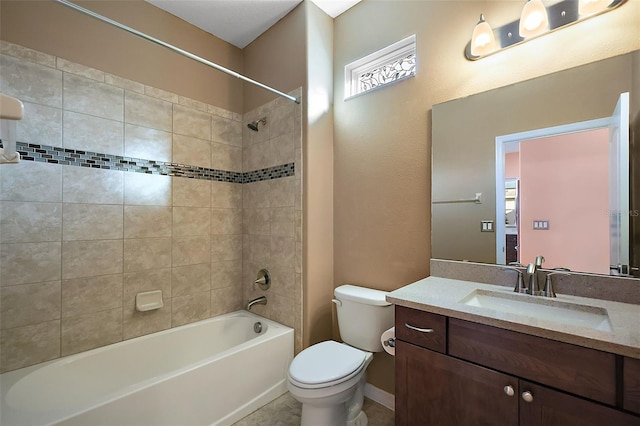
{"x":519,"y":287}
{"x":548,"y":284}
{"x":539,"y":261}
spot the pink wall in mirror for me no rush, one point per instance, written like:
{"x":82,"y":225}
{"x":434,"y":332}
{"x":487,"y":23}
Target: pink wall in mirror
{"x":512,"y":165}
{"x":560,"y":171}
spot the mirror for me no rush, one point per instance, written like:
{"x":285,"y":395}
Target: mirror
{"x":464,"y":133}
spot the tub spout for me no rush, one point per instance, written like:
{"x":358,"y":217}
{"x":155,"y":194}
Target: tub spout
{"x":262,"y":300}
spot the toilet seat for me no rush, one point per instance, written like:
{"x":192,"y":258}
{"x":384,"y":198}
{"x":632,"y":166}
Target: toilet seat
{"x":326,"y":364}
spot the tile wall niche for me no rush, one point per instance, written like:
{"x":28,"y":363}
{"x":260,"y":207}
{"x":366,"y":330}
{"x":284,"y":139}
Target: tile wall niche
{"x":151,"y":198}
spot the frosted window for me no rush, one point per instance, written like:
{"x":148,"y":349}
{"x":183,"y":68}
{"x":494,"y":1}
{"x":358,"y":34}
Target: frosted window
{"x":388,"y":65}
{"x":405,"y":67}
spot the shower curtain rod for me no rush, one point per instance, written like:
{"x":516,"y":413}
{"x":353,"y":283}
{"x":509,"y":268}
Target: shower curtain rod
{"x":175,"y":49}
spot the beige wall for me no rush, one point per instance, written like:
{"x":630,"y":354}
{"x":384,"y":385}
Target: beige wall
{"x":277,"y":59}
{"x":69,"y":34}
{"x":318,"y":177}
{"x":382,"y":139}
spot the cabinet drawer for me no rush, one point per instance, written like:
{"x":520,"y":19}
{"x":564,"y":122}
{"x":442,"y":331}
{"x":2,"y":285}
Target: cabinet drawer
{"x":421,"y":328}
{"x":631,"y":385}
{"x":581,"y":371}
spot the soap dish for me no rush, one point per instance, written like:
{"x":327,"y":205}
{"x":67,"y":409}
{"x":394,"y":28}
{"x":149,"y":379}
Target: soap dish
{"x":149,"y":300}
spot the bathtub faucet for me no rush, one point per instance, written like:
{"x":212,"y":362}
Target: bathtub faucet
{"x":262,"y":300}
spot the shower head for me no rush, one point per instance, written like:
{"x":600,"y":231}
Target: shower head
{"x":254,"y":124}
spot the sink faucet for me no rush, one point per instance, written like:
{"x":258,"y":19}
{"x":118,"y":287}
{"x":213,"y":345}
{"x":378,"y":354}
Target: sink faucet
{"x":532,"y":270}
{"x":262,"y":300}
{"x":533,"y":283}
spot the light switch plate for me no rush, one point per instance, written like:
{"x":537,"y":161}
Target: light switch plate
{"x":486,"y":226}
{"x":541,"y":225}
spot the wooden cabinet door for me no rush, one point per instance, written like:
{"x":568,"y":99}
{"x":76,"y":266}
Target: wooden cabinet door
{"x":552,"y":408}
{"x":631,"y":385}
{"x":433,"y":389}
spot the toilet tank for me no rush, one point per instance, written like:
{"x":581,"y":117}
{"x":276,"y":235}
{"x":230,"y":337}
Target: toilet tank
{"x":363,"y":314}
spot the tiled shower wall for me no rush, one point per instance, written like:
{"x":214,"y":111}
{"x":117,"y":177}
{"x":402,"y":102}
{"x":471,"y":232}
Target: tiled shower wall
{"x":78,"y":243}
{"x":272,"y":213}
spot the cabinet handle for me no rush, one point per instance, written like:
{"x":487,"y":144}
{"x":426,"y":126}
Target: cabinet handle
{"x":421,"y":330}
{"x":509,"y":390}
{"x":527,"y":396}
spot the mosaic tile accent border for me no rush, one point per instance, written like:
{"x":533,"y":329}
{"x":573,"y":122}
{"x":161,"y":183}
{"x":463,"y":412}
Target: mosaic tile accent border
{"x":96,"y":160}
{"x":276,"y":172}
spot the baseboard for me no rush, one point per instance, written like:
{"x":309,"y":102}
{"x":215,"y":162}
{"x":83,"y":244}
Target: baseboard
{"x":381,"y":397}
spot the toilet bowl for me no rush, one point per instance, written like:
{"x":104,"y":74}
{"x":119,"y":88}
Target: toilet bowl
{"x":328,"y":378}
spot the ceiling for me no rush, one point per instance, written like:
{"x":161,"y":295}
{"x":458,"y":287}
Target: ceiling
{"x":239,"y":22}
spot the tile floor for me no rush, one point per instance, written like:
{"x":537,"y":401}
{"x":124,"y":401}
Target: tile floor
{"x":285,"y":411}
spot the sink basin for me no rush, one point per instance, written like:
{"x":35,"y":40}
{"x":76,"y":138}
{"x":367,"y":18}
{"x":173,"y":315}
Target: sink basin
{"x":540,"y":308}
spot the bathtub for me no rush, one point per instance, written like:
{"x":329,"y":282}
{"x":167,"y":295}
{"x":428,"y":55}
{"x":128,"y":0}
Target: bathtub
{"x":213,"y":372}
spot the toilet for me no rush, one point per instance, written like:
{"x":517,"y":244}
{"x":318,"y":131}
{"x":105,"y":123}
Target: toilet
{"x":328,"y":378}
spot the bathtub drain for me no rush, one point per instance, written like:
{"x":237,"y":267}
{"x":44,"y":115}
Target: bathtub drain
{"x":257,"y":327}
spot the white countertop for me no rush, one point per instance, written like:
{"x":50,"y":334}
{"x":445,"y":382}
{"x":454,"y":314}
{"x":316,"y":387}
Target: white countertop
{"x":443,"y":296}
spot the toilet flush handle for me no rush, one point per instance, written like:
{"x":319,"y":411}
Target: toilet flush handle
{"x":337,"y":302}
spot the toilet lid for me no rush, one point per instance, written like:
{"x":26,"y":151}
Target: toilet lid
{"x":325,"y":362}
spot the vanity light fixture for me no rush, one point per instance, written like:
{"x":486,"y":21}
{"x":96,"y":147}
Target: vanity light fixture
{"x":535,"y":21}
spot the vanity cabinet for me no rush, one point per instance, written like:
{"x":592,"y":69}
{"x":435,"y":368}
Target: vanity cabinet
{"x":481,"y":375}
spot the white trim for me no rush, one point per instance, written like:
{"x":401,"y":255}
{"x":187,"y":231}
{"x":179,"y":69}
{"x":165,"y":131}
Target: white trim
{"x":381,"y":397}
{"x":502,"y":146}
{"x":622,"y":112}
{"x":387,"y":55}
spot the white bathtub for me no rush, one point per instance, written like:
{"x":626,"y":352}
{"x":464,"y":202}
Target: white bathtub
{"x":213,"y":372}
